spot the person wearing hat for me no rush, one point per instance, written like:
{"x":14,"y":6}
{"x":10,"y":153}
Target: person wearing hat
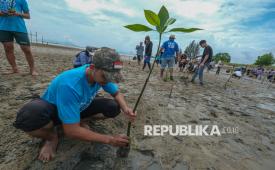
{"x":171,"y":49}
{"x":71,"y":98}
{"x":84,"y":57}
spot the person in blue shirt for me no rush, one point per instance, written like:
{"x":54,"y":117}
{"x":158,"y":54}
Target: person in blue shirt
{"x":12,"y":26}
{"x":84,"y":57}
{"x":71,"y":98}
{"x":171,"y":51}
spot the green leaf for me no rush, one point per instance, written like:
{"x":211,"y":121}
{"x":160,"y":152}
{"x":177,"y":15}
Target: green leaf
{"x":163,"y":15}
{"x":152,"y":17}
{"x":187,"y":30}
{"x":170,"y":21}
{"x":138,"y":27}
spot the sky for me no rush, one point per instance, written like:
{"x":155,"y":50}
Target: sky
{"x":245,"y":29}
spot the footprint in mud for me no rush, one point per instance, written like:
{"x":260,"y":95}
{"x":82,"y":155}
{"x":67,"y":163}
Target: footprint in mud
{"x":103,"y":157}
{"x":100,"y":157}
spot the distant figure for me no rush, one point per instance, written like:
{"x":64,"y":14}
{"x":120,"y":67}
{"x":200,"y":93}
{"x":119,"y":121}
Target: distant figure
{"x":140,"y":50}
{"x":148,"y":52}
{"x":182,"y":62}
{"x":237,"y":74}
{"x":205,"y":60}
{"x":12,"y":26}
{"x":271,"y":75}
{"x":171,"y":51}
{"x":260,"y":73}
{"x":219,"y":66}
{"x":84,"y":57}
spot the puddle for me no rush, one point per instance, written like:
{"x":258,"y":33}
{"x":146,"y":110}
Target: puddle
{"x":267,"y":106}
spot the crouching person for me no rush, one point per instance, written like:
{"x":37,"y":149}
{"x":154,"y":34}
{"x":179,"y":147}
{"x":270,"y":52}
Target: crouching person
{"x":70,"y":98}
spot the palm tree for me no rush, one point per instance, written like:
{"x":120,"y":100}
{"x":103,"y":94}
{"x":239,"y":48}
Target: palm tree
{"x":192,"y":50}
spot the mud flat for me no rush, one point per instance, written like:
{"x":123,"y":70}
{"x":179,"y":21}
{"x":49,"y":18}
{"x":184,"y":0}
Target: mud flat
{"x":245,"y":104}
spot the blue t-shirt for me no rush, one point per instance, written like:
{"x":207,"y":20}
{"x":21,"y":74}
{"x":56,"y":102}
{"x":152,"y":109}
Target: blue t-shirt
{"x":13,"y":23}
{"x":170,"y":48}
{"x":71,"y":93}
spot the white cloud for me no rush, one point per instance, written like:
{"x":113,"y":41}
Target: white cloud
{"x":222,"y":20}
{"x":96,"y":6}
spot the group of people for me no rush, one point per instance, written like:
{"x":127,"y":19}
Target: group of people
{"x":169,"y":54}
{"x":72,"y":97}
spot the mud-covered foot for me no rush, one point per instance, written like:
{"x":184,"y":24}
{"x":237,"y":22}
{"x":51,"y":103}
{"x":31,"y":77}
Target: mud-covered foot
{"x":34,"y":73}
{"x":48,"y":150}
{"x":13,"y":71}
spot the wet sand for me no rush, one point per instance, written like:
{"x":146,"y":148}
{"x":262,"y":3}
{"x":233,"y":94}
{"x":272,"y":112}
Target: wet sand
{"x":246,"y":104}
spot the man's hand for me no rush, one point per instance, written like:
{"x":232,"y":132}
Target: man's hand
{"x":3,"y":14}
{"x":130,"y":114}
{"x":14,"y":13}
{"x":201,"y":65}
{"x":122,"y":103}
{"x":119,"y":140}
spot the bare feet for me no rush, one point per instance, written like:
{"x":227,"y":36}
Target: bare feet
{"x":48,"y":150}
{"x":14,"y":71}
{"x":34,"y":73}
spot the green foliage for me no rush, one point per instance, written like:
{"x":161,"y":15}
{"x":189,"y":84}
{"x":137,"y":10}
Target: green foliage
{"x":152,"y":17}
{"x":265,"y":60}
{"x":161,"y":21}
{"x":224,"y":57}
{"x":187,"y":30}
{"x":138,"y":28}
{"x":192,"y":50}
{"x":163,"y":16}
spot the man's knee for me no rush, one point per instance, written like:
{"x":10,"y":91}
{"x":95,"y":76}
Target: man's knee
{"x":113,"y":109}
{"x":26,"y":49}
{"x":8,"y":47}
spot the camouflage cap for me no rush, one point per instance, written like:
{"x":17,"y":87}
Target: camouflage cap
{"x":110,"y":62}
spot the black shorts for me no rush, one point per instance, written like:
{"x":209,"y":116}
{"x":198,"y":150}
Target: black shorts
{"x":139,"y":57}
{"x":9,"y":36}
{"x":38,"y":113}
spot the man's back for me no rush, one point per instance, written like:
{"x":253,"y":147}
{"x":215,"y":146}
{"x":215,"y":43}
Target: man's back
{"x":170,"y":48}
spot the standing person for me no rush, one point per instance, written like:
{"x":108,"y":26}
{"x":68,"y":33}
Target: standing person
{"x":71,"y":98}
{"x":148,"y":52}
{"x":171,"y":51}
{"x":140,"y":50}
{"x":205,"y":60}
{"x":84,"y":57}
{"x":219,"y":66}
{"x":12,"y":26}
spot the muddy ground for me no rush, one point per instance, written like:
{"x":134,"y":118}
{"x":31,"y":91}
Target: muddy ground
{"x":246,"y":104}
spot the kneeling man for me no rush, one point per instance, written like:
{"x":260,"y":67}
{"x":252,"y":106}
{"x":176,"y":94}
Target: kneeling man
{"x":71,"y":98}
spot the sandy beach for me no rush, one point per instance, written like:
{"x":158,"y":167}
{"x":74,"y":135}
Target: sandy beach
{"x":246,"y":104}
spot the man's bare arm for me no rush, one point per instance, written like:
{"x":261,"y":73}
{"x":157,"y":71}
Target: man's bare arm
{"x":205,"y":59}
{"x":23,"y":15}
{"x":123,"y":105}
{"x":75,"y":131}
